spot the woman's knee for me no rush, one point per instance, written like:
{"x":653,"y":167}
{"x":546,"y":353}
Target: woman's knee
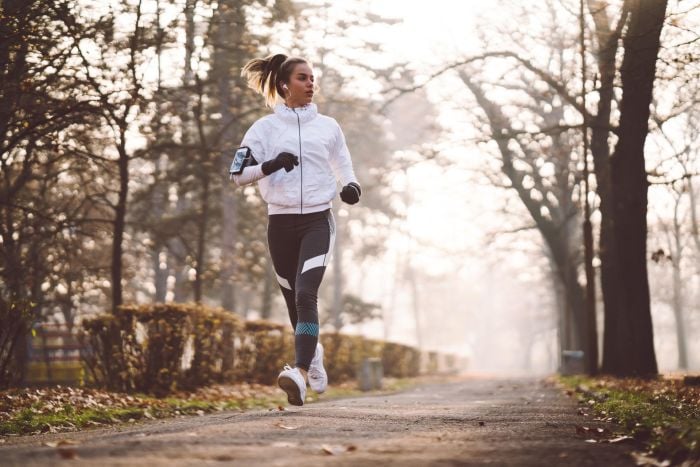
{"x":306,"y":299}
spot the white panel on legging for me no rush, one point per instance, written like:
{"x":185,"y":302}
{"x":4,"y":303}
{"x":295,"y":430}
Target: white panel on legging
{"x":283,"y":282}
{"x":315,"y":262}
{"x":331,"y":229}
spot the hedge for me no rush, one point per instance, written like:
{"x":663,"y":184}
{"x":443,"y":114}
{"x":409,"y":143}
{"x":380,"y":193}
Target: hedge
{"x":159,"y":348}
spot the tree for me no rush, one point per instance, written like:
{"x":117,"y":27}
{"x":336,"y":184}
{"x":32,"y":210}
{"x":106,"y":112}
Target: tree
{"x":628,"y":341}
{"x":41,"y":224}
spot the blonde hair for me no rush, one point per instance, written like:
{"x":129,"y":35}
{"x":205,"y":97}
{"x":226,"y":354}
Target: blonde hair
{"x":267,"y":75}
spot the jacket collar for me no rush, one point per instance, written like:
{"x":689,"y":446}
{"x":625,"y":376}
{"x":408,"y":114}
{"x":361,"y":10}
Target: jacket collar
{"x":305,"y":113}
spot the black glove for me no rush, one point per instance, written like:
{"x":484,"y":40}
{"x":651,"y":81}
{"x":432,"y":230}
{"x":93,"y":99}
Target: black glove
{"x":351,"y":193}
{"x":283,"y":160}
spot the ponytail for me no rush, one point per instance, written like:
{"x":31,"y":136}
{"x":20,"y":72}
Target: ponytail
{"x":266,"y":75}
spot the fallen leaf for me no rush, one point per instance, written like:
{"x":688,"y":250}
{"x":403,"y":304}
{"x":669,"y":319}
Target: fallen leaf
{"x":619,"y":439}
{"x":284,"y":444}
{"x":67,"y":453}
{"x":61,"y":442}
{"x":286,"y":427}
{"x":331,"y":450}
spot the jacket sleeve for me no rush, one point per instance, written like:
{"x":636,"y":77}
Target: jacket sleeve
{"x":252,"y":173}
{"x":340,"y":159}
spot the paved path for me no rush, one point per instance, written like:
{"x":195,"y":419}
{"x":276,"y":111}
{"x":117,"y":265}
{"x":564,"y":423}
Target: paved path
{"x":475,"y":421}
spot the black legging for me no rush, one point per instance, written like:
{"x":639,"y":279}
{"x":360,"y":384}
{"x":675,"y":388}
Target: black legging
{"x":300,"y":247}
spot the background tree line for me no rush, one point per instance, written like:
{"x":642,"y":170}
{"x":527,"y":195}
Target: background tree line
{"x":118,"y":119}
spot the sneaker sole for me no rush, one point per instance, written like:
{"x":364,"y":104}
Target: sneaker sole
{"x":290,"y":387}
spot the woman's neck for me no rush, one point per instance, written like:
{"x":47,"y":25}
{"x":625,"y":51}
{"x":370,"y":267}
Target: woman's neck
{"x":294,"y":105}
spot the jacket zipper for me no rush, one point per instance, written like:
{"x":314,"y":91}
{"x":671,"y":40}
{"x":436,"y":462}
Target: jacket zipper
{"x":301,"y":166}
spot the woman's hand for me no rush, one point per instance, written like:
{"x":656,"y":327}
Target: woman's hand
{"x":284,"y":160}
{"x":351,"y":193}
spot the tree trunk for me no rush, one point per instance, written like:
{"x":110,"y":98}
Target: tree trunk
{"x":160,"y":276}
{"x":120,"y":220}
{"x":268,"y":291}
{"x":678,"y":315}
{"x":676,"y":258}
{"x":231,"y":20}
{"x":630,"y":346}
{"x":607,"y":40}
{"x":415,"y":303}
{"x":695,"y":230}
{"x":201,"y":241}
{"x":337,"y":308}
{"x":590,"y":321}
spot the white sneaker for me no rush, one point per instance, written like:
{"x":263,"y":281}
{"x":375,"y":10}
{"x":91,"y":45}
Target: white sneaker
{"x":318,"y":379}
{"x":292,"y":382}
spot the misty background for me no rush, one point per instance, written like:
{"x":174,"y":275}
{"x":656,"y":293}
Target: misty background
{"x":145,"y":98}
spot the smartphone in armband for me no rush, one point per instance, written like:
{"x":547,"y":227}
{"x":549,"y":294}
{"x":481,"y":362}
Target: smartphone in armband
{"x":241,"y":159}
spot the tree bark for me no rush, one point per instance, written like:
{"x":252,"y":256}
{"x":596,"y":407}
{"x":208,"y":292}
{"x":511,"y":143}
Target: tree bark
{"x":607,"y":39}
{"x":231,"y":20}
{"x":120,"y":220}
{"x":629,"y":348}
{"x":201,"y":242}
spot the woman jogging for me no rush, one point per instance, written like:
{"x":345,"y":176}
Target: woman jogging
{"x":296,"y":155}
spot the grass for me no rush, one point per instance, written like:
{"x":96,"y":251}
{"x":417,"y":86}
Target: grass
{"x":44,"y":416}
{"x":663,"y":416}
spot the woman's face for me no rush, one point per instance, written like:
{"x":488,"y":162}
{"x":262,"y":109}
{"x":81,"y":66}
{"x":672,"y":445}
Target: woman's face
{"x":300,"y":89}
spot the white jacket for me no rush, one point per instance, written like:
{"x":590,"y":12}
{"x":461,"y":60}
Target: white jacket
{"x":323,"y":158}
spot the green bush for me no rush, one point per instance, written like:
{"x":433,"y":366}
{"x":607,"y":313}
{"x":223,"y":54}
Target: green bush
{"x":344,"y":354}
{"x":141,"y":348}
{"x":159,"y":348}
{"x":213,"y":333}
{"x":263,"y":349}
{"x":400,"y":361}
{"x":111,"y":352}
{"x":16,"y":318}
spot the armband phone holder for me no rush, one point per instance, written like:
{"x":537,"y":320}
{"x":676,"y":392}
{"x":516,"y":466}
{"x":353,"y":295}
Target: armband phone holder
{"x":241,"y":159}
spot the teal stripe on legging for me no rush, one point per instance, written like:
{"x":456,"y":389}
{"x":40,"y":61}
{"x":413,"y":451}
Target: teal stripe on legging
{"x":310,"y":329}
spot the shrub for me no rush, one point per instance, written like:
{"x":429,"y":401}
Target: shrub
{"x":213,"y":334}
{"x":264,"y":348}
{"x":158,"y":348}
{"x":344,"y":354}
{"x":141,"y":348}
{"x":400,"y":361}
{"x":111,"y":352}
{"x":16,"y":318}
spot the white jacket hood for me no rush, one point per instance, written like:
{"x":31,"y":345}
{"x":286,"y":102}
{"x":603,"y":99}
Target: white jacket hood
{"x":324,"y":159}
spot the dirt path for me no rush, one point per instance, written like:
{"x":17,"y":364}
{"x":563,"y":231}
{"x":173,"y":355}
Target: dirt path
{"x":471,"y":422}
